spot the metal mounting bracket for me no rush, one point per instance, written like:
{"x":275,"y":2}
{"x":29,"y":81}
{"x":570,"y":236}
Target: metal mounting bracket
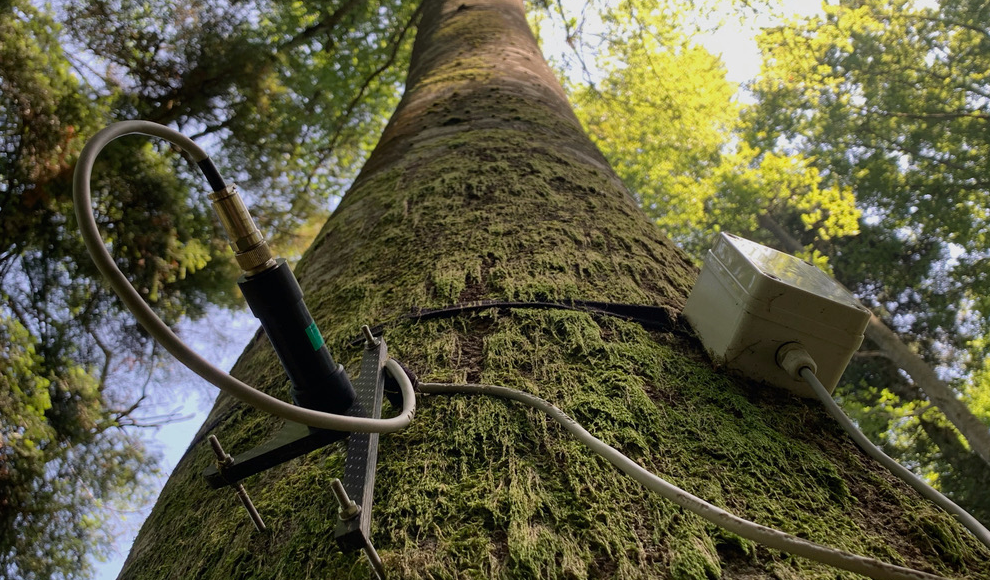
{"x":362,"y":448}
{"x":293,"y":440}
{"x":353,"y":530}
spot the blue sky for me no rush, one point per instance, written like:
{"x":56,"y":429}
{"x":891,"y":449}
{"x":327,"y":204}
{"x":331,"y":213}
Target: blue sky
{"x":220,"y":336}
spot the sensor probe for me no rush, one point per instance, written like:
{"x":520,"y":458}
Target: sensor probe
{"x":316,"y":367}
{"x":273,"y":294}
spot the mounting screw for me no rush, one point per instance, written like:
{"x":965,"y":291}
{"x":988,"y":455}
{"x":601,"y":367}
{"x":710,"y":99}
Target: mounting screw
{"x":225,"y":460}
{"x":369,"y":339}
{"x":348,"y":509}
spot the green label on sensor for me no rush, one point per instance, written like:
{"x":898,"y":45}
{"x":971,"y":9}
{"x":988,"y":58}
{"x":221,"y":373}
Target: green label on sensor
{"x":315,"y":338}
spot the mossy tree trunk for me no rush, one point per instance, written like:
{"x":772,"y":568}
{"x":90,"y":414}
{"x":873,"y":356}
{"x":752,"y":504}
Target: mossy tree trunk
{"x":484,"y":186}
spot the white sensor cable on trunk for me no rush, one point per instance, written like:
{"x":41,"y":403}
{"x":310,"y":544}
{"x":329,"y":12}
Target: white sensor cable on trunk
{"x":964,"y":517}
{"x":799,"y":364}
{"x":164,"y":335}
{"x":750,"y":530}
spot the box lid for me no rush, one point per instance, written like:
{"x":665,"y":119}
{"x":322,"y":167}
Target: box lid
{"x":784,"y":285}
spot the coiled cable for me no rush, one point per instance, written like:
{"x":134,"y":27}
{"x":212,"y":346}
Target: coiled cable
{"x":164,"y":335}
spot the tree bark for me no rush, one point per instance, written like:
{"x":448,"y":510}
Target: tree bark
{"x":484,"y":186}
{"x":976,"y":433}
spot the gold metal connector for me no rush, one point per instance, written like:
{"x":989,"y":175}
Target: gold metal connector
{"x":250,"y":248}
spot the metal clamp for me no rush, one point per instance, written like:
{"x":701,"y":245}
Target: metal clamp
{"x":349,"y":511}
{"x":353,"y":531}
{"x":358,"y":480}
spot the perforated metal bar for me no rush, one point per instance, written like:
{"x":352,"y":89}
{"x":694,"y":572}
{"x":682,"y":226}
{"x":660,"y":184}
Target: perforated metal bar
{"x":362,"y":449}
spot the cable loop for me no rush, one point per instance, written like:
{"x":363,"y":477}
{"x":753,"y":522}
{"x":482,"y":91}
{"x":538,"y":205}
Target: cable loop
{"x":163,"y":334}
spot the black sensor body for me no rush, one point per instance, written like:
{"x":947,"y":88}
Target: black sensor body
{"x":276,"y":299}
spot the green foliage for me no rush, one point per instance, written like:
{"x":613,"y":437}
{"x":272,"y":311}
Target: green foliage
{"x":296,"y":91}
{"x":977,"y":394}
{"x":889,"y":98}
{"x":675,"y":139}
{"x":146,"y":210}
{"x":751,"y":184}
{"x":67,"y":346}
{"x":64,"y":464}
{"x":662,"y":133}
{"x":43,"y":110}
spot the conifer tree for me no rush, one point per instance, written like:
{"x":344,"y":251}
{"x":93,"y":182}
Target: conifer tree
{"x":484,"y":186}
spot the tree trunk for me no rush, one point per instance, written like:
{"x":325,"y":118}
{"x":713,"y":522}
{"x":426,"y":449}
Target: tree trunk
{"x":484,"y":187}
{"x":976,"y":432}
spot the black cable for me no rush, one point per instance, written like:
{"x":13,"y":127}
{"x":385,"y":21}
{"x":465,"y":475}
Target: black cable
{"x":212,"y":175}
{"x":650,"y":317}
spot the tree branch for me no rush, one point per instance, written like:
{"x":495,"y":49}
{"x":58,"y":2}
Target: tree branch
{"x":325,"y":25}
{"x":870,"y":354}
{"x":396,"y":42}
{"x":921,"y":373}
{"x":933,"y":116}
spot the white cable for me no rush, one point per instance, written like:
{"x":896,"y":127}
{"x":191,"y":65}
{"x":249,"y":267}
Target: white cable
{"x":164,"y":335}
{"x":971,"y":523}
{"x":750,"y":530}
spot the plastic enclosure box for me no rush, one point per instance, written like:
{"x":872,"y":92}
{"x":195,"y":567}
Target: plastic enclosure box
{"x":750,"y":300}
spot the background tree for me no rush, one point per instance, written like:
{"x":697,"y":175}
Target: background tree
{"x":62,"y":450}
{"x":486,"y":175}
{"x":675,"y":138}
{"x":293,"y":89}
{"x":889,"y":99}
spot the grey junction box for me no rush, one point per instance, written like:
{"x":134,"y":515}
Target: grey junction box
{"x":750,"y":300}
